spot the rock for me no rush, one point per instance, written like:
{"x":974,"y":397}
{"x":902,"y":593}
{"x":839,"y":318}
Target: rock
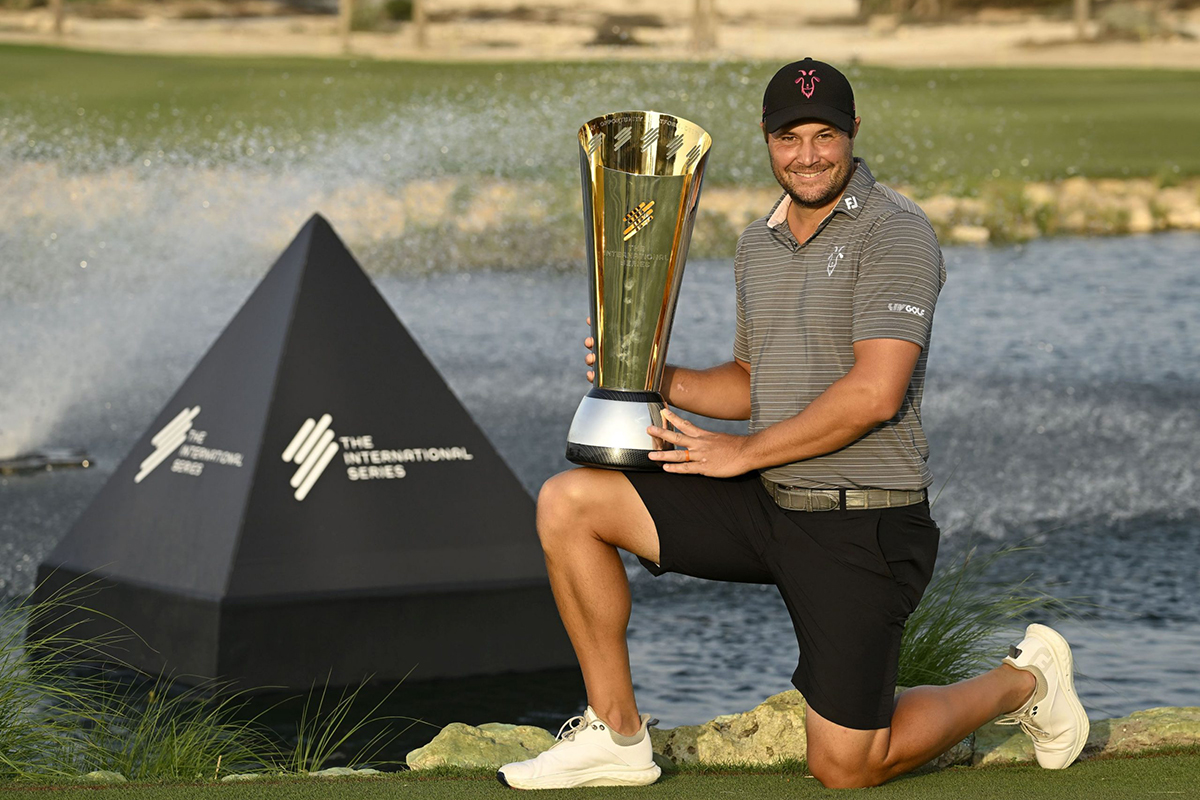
{"x":1141,"y":219}
{"x":105,"y":776}
{"x":941,"y":209}
{"x":1001,"y":744}
{"x":1144,"y":730}
{"x":492,"y":744}
{"x":1139,"y":732}
{"x":238,"y":777}
{"x":1076,"y":190}
{"x":961,"y":753}
{"x":1182,"y":209}
{"x":770,"y":731}
{"x":1040,"y":194}
{"x":970,"y":234}
{"x":343,"y":772}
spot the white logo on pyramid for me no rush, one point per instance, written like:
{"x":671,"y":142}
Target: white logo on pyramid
{"x":167,"y":441}
{"x":313,"y":447}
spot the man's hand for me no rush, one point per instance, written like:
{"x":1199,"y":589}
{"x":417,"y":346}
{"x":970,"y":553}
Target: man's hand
{"x":718,"y":455}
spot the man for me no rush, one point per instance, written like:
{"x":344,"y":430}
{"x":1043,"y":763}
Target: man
{"x":825,"y":497}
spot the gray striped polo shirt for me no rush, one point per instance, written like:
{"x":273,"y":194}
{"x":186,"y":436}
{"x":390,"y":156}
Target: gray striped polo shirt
{"x":872,"y":270}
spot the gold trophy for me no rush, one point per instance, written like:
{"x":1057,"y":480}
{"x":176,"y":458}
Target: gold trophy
{"x":642,"y":172}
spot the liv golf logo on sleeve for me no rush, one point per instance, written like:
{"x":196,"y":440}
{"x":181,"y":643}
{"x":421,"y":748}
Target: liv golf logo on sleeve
{"x":315,"y":445}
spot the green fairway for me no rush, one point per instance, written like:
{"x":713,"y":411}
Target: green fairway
{"x":1115,"y":779}
{"x":932,"y":129}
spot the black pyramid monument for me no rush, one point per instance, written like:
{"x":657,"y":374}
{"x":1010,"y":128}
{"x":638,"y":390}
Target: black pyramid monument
{"x":314,"y":501}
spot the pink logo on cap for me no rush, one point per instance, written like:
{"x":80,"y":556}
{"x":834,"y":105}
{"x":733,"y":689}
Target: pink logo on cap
{"x":811,"y":86}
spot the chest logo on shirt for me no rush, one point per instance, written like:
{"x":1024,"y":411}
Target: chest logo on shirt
{"x":834,"y":257}
{"x":851,"y":203}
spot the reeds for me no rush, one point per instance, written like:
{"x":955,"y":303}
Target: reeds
{"x":963,"y":621}
{"x":61,"y":718}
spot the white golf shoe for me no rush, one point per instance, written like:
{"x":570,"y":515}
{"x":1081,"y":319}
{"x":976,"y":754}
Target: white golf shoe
{"x":1053,"y":717}
{"x":588,"y":753}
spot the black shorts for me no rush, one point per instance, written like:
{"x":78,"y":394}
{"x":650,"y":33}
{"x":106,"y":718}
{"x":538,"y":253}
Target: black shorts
{"x":849,"y":578}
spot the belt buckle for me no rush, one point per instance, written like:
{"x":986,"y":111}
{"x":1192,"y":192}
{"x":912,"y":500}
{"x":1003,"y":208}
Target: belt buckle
{"x":827,"y":503}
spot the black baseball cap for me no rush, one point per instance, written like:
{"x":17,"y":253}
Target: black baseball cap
{"x":808,"y":90}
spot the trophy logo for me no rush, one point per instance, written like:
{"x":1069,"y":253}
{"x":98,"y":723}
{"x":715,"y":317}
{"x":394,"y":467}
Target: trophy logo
{"x":674,"y":145}
{"x":634,"y":285}
{"x":637,"y":219}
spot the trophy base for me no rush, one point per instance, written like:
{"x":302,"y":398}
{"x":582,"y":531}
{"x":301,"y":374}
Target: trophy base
{"x":609,"y":430}
{"x":586,"y":455}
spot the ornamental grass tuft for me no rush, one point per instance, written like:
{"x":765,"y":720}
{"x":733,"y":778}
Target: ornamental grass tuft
{"x":964,"y":620}
{"x":61,"y":718}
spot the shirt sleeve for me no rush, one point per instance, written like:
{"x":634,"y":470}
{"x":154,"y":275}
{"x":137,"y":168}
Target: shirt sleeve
{"x":900,"y":273}
{"x":741,"y":337}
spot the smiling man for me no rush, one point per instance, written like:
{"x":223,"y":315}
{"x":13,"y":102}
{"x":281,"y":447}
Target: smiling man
{"x":825,"y":497}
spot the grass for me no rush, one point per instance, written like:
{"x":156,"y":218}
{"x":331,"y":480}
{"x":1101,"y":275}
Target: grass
{"x":931,"y":129}
{"x":957,"y":630}
{"x":1112,"y":779}
{"x":441,"y":166}
{"x":326,"y":725}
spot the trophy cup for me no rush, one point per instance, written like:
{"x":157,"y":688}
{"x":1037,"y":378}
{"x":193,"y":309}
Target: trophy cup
{"x":641,"y":185}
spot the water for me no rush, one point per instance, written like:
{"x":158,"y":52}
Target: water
{"x":1061,"y":405}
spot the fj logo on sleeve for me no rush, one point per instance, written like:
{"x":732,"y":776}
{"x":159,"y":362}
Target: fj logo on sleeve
{"x":834,"y":257}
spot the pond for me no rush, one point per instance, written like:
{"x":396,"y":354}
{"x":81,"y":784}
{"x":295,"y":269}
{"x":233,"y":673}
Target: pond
{"x":1062,"y":405}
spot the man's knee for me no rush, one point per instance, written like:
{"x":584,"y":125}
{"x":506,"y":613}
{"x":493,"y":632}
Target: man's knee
{"x":844,"y":770}
{"x":563,"y":506}
{"x":594,"y":504}
{"x":844,"y":758}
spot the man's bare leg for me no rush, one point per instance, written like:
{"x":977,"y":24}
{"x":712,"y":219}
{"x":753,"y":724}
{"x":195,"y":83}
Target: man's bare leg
{"x":928,"y":721}
{"x":583,"y":516}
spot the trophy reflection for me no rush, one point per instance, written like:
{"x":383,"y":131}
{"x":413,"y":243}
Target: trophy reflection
{"x":642,"y":172}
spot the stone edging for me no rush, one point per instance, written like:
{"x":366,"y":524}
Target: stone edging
{"x":774,"y":731}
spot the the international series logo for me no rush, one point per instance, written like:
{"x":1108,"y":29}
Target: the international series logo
{"x":313,"y":447}
{"x":194,"y":452}
{"x":637,"y":219}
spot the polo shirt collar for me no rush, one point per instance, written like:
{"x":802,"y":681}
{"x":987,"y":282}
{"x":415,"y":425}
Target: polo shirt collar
{"x":850,"y":204}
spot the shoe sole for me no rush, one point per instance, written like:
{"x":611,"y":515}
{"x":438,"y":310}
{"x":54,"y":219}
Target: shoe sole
{"x":1062,"y":653}
{"x":597,"y":776}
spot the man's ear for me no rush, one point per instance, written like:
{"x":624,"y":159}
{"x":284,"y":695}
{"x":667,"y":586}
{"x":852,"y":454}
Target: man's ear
{"x":762,"y":127}
{"x":857,"y":120}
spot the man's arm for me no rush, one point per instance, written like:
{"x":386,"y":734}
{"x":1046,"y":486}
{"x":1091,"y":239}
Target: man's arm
{"x":720,"y":392}
{"x":871,"y":393}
